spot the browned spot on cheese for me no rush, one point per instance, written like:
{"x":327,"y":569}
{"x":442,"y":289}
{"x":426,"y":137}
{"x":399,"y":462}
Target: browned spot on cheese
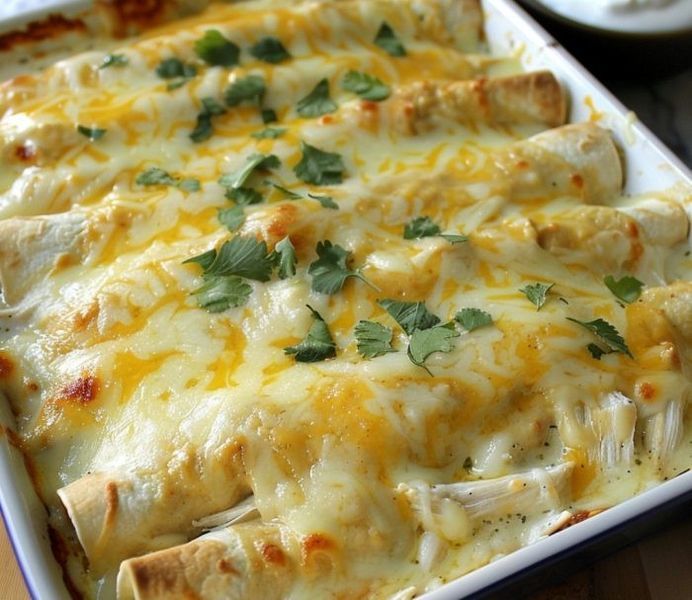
{"x":128,"y":16}
{"x":282,"y":218}
{"x":577,"y":180}
{"x":25,"y":152}
{"x":6,"y":366}
{"x":273,"y":554}
{"x":317,"y":542}
{"x":53,"y":26}
{"x":111,"y":494}
{"x":226,"y":566}
{"x":82,"y":390}
{"x":326,"y":120}
{"x":522,"y":164}
{"x":646,"y":390}
{"x":32,"y":386}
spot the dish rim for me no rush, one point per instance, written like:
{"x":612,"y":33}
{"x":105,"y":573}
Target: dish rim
{"x":18,"y":499}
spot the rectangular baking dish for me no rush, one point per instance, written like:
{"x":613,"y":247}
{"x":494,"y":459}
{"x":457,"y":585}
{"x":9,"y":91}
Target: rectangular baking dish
{"x":649,"y":166}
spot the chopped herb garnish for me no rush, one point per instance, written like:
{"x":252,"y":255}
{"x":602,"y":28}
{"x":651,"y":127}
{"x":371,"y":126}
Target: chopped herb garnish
{"x":318,"y":344}
{"x":233,"y":218}
{"x":270,"y":49}
{"x":242,"y":256}
{"x":203,"y":129}
{"x":537,"y":293}
{"x":366,"y":86}
{"x":268,"y":116}
{"x":330,"y":270}
{"x":214,"y":49}
{"x":244,"y":196}
{"x":204,"y":260}
{"x":627,"y":288}
{"x":596,"y":351}
{"x":285,"y":191}
{"x":421,"y":227}
{"x":93,"y":133}
{"x":325,"y":201}
{"x":388,"y":41}
{"x":222,"y":292}
{"x":172,"y":68}
{"x":270,"y":133}
{"x":411,"y":316}
{"x":254,"y":162}
{"x":607,"y":333}
{"x":245,"y":89}
{"x":319,"y":167}
{"x":373,"y":339}
{"x":114,"y":60}
{"x":424,"y":342}
{"x":317,"y":102}
{"x":285,"y":258}
{"x":156,"y":176}
{"x":473,"y":318}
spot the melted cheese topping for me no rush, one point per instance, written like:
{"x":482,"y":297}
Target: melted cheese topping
{"x":111,"y":367}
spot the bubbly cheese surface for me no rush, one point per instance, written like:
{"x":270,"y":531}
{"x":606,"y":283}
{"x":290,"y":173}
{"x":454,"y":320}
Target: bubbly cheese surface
{"x":119,"y":377}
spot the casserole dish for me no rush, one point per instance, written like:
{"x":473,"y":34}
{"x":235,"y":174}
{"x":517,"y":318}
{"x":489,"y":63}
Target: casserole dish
{"x":643,"y":156}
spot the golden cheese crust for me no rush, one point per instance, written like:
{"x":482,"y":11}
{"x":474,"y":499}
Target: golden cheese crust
{"x":320,"y":299}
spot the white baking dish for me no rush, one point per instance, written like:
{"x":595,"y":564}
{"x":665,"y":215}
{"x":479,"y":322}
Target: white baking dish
{"x":649,"y":166}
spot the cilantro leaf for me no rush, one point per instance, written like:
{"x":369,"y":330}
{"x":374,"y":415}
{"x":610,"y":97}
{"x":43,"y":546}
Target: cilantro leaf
{"x":204,"y":260}
{"x":627,"y":288}
{"x":114,"y":60}
{"x":157,"y":176}
{"x":319,"y":167}
{"x":268,"y":115}
{"x":189,"y":184}
{"x":537,"y":293}
{"x":244,"y":196}
{"x":596,"y":351}
{"x":245,"y":89}
{"x":455,"y":238}
{"x":373,"y":339}
{"x":388,"y":41}
{"x":242,"y":256}
{"x":254,"y":162}
{"x":424,"y":342}
{"x":318,"y":343}
{"x":317,"y":102}
{"x":222,"y":292}
{"x":291,"y":195}
{"x":473,"y":318}
{"x":232,"y":218}
{"x":325,"y":201}
{"x":411,"y":316}
{"x":330,"y":270}
{"x":607,"y":333}
{"x":366,"y":86}
{"x":203,"y":128}
{"x":172,"y":68}
{"x":421,"y":227}
{"x":93,"y":133}
{"x":285,"y":257}
{"x":271,"y":50}
{"x":270,"y":133}
{"x":214,"y":49}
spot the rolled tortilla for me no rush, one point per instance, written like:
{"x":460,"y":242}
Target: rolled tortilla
{"x":577,"y":160}
{"x":253,"y":560}
{"x":526,"y":98}
{"x":119,"y":516}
